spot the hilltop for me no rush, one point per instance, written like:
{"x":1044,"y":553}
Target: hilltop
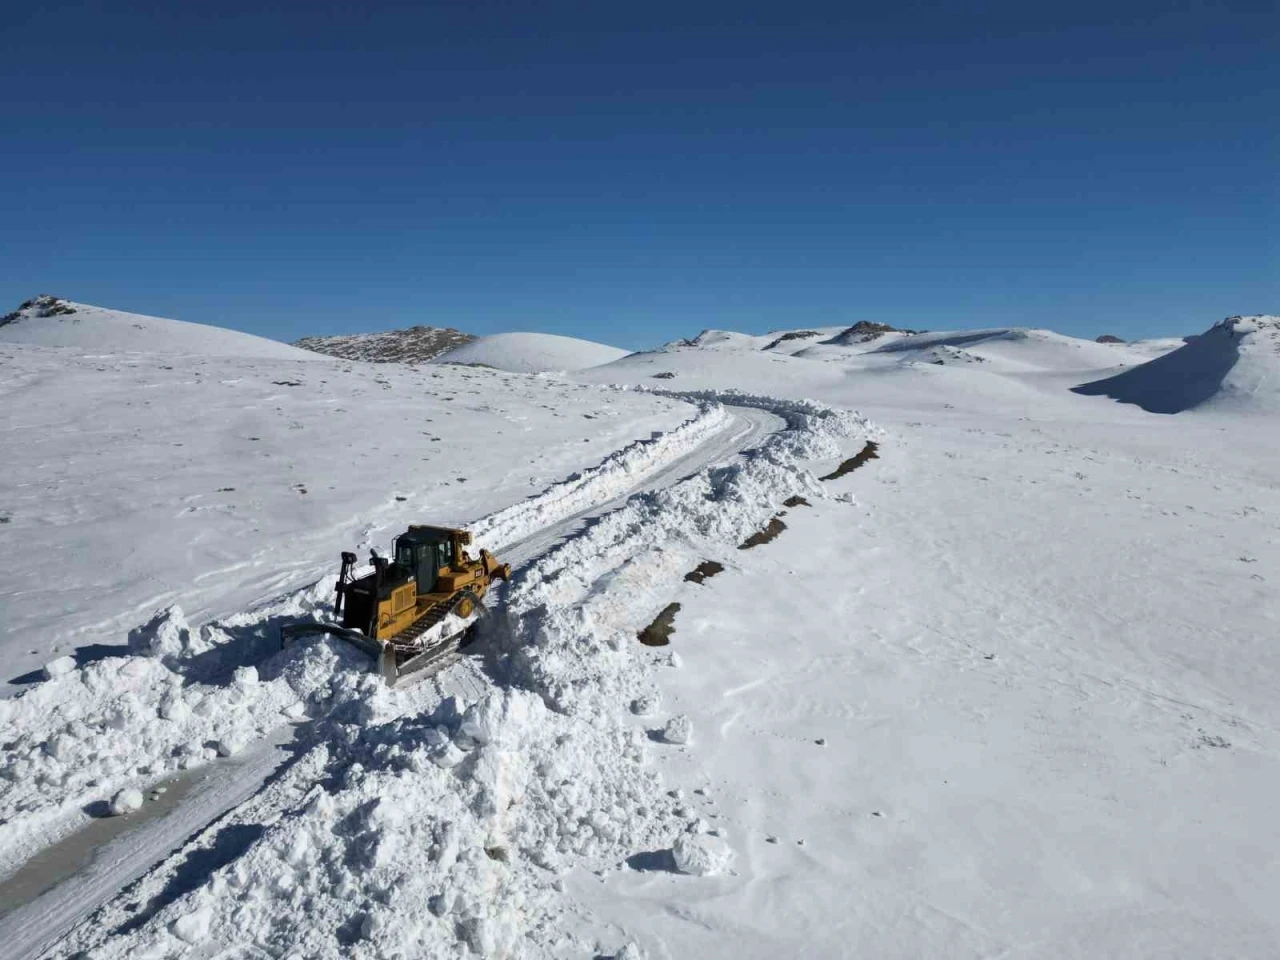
{"x":412,"y":345}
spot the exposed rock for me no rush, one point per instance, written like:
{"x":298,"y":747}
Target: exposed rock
{"x":394,"y":346}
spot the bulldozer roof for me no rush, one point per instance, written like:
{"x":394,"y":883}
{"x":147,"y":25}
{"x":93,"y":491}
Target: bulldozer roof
{"x":421,"y":533}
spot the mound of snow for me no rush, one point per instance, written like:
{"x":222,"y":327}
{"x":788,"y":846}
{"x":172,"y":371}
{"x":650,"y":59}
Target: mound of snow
{"x":1235,"y":365}
{"x":126,"y":801}
{"x":533,"y":353}
{"x":702,"y":855}
{"x":51,"y":322}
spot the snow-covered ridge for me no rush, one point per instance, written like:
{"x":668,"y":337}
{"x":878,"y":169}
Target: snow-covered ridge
{"x":1233,"y":366}
{"x":533,"y":353}
{"x":53,"y":322}
{"x":412,"y":345}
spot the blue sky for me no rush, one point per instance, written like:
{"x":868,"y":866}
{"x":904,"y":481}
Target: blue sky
{"x":636,"y":172}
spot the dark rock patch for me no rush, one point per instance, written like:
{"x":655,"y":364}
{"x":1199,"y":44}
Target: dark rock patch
{"x":765,"y":535}
{"x":658,"y":633}
{"x":853,"y":463}
{"x":704,"y":571}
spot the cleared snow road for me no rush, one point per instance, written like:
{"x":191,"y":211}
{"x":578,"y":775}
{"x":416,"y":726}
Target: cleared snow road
{"x":67,"y":883}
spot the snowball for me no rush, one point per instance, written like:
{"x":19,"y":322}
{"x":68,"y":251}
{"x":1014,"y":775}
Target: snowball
{"x":61,"y":747}
{"x":58,"y":668}
{"x":231,"y":744}
{"x":498,"y":717}
{"x":441,"y":751}
{"x":441,"y":904}
{"x":126,"y":801}
{"x":174,"y":708}
{"x":194,"y":927}
{"x":166,"y":634}
{"x":245,"y":676}
{"x":679,"y":730}
{"x":701,"y":854}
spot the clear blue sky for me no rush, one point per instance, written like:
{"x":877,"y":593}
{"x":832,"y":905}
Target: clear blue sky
{"x":636,"y":172}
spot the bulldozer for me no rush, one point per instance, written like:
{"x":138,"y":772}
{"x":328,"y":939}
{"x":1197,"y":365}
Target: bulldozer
{"x":393,"y":612}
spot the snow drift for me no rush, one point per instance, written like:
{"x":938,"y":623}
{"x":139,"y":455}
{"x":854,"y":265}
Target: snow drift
{"x":533,"y":353}
{"x":1234,"y":365}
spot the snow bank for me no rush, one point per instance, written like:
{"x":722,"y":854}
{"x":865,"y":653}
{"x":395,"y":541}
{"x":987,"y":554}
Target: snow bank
{"x":84,"y":735}
{"x":616,"y":474}
{"x":533,"y":353}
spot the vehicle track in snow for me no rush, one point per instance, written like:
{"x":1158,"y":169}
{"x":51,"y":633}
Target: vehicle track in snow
{"x":97,"y":873}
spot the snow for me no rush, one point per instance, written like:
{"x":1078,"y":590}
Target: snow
{"x":88,"y":327}
{"x":219,"y":481}
{"x":58,"y":668}
{"x":1018,"y":699}
{"x":678,"y":731}
{"x":1235,"y":365}
{"x":1007,"y":689}
{"x":126,"y":801}
{"x":701,"y":854}
{"x":532,"y":353}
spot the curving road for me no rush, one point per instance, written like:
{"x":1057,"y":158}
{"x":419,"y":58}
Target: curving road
{"x":62,"y":885}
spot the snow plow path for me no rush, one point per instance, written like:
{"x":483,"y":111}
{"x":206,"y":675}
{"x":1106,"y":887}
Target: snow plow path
{"x":56,"y":889}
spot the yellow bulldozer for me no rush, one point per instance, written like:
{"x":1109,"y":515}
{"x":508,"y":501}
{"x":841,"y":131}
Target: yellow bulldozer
{"x":394,"y":611}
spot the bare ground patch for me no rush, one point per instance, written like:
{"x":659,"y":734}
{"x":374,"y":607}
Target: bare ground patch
{"x":704,"y":571}
{"x":853,"y":463}
{"x":765,"y":535}
{"x":658,"y":633}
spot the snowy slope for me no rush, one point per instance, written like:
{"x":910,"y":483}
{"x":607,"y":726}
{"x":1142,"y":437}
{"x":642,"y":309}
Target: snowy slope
{"x":1232,"y":367}
{"x":532,"y":353}
{"x":51,"y":322}
{"x":1005,"y":690}
{"x":217,"y":481}
{"x":1019,"y":700}
{"x":412,"y":345}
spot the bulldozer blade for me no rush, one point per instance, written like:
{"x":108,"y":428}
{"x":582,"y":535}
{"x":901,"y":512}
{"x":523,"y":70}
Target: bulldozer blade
{"x":291,"y":632}
{"x":423,"y":666}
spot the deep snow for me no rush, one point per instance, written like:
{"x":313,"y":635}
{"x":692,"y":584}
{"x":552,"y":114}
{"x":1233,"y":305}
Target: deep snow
{"x":220,"y":481}
{"x":1006,"y":690}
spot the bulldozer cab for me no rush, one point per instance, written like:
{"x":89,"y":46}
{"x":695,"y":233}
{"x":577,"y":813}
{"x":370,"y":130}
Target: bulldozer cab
{"x":425,"y":552}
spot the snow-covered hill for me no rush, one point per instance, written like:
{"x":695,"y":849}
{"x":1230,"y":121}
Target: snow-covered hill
{"x":532,"y":353}
{"x":1233,"y":367}
{"x":151,"y":461}
{"x":51,"y":322}
{"x":412,"y":345}
{"x":1005,"y":688}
